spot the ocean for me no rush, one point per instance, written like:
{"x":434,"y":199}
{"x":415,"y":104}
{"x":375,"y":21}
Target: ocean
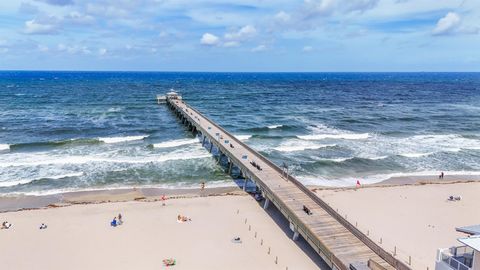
{"x":70,"y":131}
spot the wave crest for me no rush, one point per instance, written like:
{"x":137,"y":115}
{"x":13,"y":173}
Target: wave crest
{"x":4,"y":147}
{"x":122,"y":139}
{"x":174,"y":143}
{"x":28,"y":181}
{"x":295,"y":148}
{"x":345,"y":136}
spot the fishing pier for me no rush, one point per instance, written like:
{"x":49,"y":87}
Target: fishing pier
{"x":340,"y":244}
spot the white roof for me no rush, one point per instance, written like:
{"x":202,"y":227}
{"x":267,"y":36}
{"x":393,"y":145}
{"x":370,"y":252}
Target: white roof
{"x":473,"y":242}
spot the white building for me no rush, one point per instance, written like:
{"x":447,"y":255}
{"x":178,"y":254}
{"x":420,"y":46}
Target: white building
{"x":465,"y":257}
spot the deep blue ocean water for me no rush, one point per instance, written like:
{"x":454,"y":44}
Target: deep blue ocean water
{"x":63,"y":131}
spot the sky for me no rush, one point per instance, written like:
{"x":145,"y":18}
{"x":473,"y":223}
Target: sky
{"x":241,"y":35}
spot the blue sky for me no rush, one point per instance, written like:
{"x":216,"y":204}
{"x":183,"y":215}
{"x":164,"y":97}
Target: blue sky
{"x":242,"y":35}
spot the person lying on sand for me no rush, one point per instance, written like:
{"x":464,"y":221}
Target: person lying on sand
{"x":6,"y":225}
{"x":114,"y":222}
{"x":181,"y":218}
{"x":169,"y":262}
{"x":454,"y":198}
{"x":43,"y":226}
{"x":237,"y":240}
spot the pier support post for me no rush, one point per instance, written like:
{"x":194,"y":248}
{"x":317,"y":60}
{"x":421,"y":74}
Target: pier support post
{"x":266,"y":204}
{"x":203,"y":142}
{"x":230,"y":165}
{"x":295,"y":235}
{"x":211,"y":146}
{"x":245,"y":184}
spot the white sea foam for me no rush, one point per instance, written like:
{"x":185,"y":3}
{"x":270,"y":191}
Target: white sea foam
{"x":376,"y":158}
{"x":61,"y":176}
{"x":26,"y":181}
{"x":243,"y":137}
{"x":371,"y":179}
{"x":345,"y":136}
{"x":4,"y":147}
{"x":331,"y":159}
{"x":175,"y":185}
{"x":42,"y":160}
{"x":114,"y":109}
{"x":415,"y":155}
{"x":122,"y":139}
{"x":295,"y":148}
{"x":275,"y":126}
{"x":14,"y":183}
{"x":175,"y":143}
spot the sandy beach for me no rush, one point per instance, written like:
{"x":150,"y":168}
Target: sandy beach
{"x":80,"y":236}
{"x":416,"y":219}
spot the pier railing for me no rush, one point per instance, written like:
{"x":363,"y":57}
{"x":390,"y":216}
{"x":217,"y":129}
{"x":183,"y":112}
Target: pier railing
{"x":310,"y":236}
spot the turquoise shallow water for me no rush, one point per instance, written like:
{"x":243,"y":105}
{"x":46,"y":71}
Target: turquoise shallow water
{"x":62,"y":131}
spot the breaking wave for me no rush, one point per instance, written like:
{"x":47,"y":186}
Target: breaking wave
{"x":4,"y":147}
{"x":345,"y":136}
{"x":27,"y":181}
{"x":122,"y":139}
{"x":174,"y":143}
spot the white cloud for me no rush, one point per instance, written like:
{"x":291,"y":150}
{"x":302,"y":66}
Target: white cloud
{"x":231,"y":44}
{"x":57,"y":2}
{"x":452,"y":23}
{"x":259,"y":48}
{"x":209,"y":39}
{"x":28,"y":8}
{"x":307,"y":49}
{"x":102,"y":51}
{"x":42,"y":48}
{"x":33,"y":27}
{"x":244,"y":33}
{"x":282,"y":16}
{"x":78,"y":18}
{"x":448,"y":24}
{"x":75,"y":49}
{"x":329,"y":7}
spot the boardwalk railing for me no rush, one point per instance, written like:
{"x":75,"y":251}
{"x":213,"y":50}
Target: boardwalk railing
{"x":291,"y":216}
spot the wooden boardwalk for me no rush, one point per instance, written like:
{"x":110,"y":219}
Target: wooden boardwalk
{"x":338,"y":242}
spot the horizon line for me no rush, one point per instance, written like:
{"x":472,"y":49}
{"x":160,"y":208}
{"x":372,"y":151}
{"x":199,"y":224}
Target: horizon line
{"x":212,"y":71}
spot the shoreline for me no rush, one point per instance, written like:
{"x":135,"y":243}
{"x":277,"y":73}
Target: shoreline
{"x":30,"y":202}
{"x":18,"y":202}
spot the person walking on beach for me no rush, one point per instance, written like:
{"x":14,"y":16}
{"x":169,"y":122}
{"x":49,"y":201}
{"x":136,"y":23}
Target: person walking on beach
{"x":163,"y":200}
{"x":441,"y":175}
{"x":202,"y":189}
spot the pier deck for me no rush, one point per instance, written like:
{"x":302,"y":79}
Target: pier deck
{"x":338,"y":242}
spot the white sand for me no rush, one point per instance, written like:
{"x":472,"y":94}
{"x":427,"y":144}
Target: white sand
{"x":416,"y":218}
{"x":80,"y":237}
